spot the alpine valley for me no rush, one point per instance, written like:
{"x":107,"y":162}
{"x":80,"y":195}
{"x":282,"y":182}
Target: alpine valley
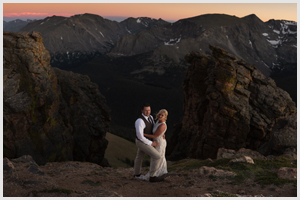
{"x":143,"y":60}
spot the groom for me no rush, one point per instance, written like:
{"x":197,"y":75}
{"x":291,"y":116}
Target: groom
{"x":143,"y":125}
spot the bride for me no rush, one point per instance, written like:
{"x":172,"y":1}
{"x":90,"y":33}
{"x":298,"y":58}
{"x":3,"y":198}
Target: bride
{"x":159,"y":130}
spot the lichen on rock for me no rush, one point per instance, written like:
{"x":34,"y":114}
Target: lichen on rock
{"x":38,"y":119}
{"x":229,"y":104}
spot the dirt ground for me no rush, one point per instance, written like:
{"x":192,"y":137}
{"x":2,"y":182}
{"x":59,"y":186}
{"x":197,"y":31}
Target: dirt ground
{"x":83,"y":179}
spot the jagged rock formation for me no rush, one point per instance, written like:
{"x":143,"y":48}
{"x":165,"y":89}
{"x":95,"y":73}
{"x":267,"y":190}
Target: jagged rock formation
{"x":229,"y":103}
{"x":50,"y":114}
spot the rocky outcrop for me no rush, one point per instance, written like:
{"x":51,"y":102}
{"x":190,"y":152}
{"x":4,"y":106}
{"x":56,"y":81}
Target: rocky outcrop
{"x":283,"y":136}
{"x":229,"y":103}
{"x":244,"y":159}
{"x":287,"y":173}
{"x":211,"y":171}
{"x":229,"y":153}
{"x":50,"y":114}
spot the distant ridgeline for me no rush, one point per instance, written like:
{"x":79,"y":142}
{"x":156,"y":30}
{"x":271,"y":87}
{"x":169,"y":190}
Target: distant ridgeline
{"x":142,"y":59}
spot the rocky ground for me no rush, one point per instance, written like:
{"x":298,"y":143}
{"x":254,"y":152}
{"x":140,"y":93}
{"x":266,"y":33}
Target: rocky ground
{"x":22,"y":177}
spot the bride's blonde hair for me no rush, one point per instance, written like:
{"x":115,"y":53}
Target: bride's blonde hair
{"x":162,"y":111}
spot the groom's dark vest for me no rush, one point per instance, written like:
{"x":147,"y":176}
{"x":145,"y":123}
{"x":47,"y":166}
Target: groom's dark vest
{"x":149,"y":126}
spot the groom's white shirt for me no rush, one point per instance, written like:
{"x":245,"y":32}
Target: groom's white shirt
{"x":139,"y":129}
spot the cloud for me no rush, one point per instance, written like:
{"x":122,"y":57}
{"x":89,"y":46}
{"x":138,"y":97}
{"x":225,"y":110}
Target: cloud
{"x":25,"y":14}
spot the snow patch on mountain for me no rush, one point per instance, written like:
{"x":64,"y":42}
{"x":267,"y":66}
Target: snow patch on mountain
{"x":290,"y":23}
{"x":139,"y":21}
{"x":250,"y":44}
{"x":285,"y":27}
{"x":128,"y":30}
{"x":173,"y":41}
{"x":275,"y":43}
{"x":101,"y":33}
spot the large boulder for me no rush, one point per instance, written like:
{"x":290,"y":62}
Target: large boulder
{"x":229,"y":104}
{"x":50,"y":114}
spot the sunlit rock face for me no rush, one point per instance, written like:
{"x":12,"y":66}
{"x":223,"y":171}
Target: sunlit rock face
{"x":229,"y":104}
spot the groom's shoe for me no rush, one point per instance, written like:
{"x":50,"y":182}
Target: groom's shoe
{"x":136,"y":176}
{"x":156,"y":179}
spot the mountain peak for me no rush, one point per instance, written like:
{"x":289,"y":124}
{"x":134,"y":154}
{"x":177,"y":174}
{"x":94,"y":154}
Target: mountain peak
{"x":252,"y":18}
{"x":251,"y":15}
{"x":214,"y":19}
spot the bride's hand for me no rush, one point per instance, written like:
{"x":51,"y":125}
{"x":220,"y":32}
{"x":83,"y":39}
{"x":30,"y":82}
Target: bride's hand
{"x":155,"y":144}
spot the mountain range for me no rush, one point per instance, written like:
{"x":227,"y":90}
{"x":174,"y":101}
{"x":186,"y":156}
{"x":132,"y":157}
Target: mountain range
{"x":15,"y":25}
{"x":142,"y":59}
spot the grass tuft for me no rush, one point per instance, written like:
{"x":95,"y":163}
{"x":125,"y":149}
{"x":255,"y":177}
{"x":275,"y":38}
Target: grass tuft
{"x":263,"y":171}
{"x":268,"y":178}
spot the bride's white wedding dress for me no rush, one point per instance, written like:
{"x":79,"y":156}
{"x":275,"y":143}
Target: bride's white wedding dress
{"x":162,"y":167}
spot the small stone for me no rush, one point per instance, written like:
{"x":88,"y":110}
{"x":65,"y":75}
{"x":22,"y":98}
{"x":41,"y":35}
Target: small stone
{"x":287,"y":173}
{"x":207,"y":171}
{"x":244,"y":159}
{"x":207,"y":195}
{"x":7,"y":165}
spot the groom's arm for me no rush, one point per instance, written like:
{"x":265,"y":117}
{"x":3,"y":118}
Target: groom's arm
{"x":139,"y":128}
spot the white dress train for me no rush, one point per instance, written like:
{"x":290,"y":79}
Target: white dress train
{"x":162,"y":167}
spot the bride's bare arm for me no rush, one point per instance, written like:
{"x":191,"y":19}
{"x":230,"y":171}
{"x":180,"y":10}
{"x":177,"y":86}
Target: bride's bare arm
{"x":158,"y":131}
{"x":149,"y":136}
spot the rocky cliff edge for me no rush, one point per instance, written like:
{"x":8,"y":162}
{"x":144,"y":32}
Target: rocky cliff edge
{"x":50,"y":114}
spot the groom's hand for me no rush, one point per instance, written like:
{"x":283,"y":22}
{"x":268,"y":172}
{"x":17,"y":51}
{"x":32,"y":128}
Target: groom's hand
{"x":155,"y":144}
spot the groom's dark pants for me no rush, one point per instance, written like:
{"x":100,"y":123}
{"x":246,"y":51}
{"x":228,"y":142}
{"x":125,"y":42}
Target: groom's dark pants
{"x":144,"y":149}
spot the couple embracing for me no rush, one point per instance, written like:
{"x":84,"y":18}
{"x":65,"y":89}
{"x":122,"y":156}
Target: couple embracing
{"x":146,"y":127}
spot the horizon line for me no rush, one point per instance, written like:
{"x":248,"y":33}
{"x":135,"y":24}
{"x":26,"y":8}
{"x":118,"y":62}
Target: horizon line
{"x":117,"y":18}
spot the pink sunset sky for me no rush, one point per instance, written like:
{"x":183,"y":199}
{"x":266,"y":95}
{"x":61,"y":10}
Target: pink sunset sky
{"x":166,"y":11}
